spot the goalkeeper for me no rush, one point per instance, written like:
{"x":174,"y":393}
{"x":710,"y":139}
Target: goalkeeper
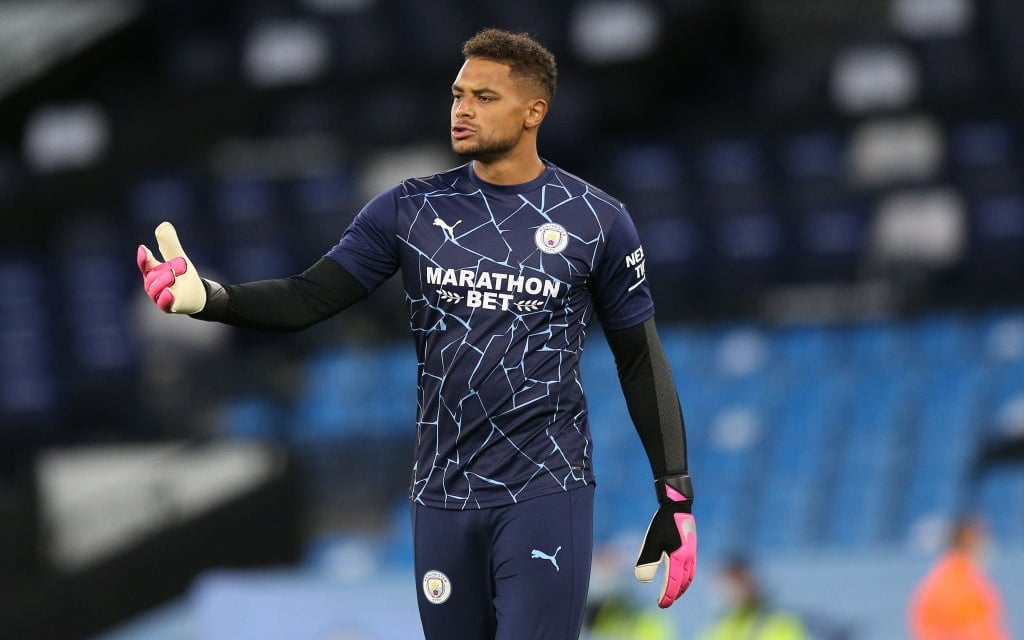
{"x":504,"y":261}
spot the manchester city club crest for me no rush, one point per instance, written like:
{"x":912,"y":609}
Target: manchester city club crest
{"x":436,"y":587}
{"x":551,"y":238}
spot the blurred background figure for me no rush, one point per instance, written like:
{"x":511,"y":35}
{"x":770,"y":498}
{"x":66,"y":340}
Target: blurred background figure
{"x":956,"y":600}
{"x":616,"y":613}
{"x":619,"y":618}
{"x":749,"y":615}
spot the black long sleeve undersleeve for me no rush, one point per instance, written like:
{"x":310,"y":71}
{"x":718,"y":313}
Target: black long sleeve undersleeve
{"x":651,"y":397}
{"x":283,"y":304}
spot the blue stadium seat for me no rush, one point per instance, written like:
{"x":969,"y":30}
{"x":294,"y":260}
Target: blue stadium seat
{"x":1001,"y":336}
{"x":806,"y":427}
{"x":96,"y":290}
{"x":329,"y":192}
{"x":1000,"y":494}
{"x":859,"y":519}
{"x":333,"y":405}
{"x":740,"y":350}
{"x":808,"y":348}
{"x":397,"y":538}
{"x":814,"y":157}
{"x":881,"y":345}
{"x":29,"y":385}
{"x":733,"y":162}
{"x":358,"y":392}
{"x":996,"y":228}
{"x":655,"y":168}
{"x":673,"y":245}
{"x":982,"y":145}
{"x":258,"y":241}
{"x":945,"y":442}
{"x":163,"y":197}
{"x":430,"y":33}
{"x":750,"y":249}
{"x":1005,"y":389}
{"x":201,"y":58}
{"x":831,"y":239}
{"x":250,"y":417}
{"x":951,"y":68}
{"x":799,"y":462}
{"x":688,"y":349}
{"x":944,"y":338}
{"x":872,"y":446}
{"x":787,"y":516}
{"x":240,"y":203}
{"x":246,"y":262}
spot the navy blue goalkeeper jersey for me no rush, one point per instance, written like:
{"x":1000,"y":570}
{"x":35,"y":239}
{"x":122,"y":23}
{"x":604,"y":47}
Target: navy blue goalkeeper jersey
{"x":501,"y":283}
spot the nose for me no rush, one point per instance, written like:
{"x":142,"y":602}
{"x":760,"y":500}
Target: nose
{"x":461,"y":109}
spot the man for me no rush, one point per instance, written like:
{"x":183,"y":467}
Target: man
{"x":504,"y":261}
{"x":956,"y":601}
{"x":749,"y":616}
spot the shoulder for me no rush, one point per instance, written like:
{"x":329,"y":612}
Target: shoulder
{"x":454,"y":179}
{"x":387,"y":202}
{"x":595,"y":196}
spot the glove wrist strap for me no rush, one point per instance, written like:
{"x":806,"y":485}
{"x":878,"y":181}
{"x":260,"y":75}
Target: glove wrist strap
{"x":674,"y":489}
{"x":216,"y":307}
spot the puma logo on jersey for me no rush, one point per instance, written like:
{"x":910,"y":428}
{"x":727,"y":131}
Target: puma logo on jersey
{"x":449,"y":230}
{"x":543,"y":556}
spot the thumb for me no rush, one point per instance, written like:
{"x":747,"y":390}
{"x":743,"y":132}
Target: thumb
{"x":645,"y":571}
{"x":650,"y":557}
{"x":167,"y":240}
{"x":146,"y":261}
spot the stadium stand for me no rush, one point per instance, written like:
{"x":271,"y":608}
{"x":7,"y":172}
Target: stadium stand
{"x":831,"y":202}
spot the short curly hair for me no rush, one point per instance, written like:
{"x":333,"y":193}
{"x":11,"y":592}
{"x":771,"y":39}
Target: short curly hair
{"x":527,"y":58}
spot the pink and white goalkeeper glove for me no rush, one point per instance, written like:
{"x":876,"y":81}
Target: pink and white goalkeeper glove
{"x":173,"y":285}
{"x":671,"y":539}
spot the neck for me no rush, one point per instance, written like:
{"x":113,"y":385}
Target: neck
{"x":510,"y":169}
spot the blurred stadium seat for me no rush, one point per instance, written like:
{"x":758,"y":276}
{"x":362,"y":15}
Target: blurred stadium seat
{"x":29,"y":383}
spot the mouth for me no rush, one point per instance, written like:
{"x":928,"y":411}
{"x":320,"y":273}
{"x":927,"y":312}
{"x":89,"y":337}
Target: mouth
{"x":461,"y":132}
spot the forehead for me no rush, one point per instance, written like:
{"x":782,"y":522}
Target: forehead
{"x":481,"y":72}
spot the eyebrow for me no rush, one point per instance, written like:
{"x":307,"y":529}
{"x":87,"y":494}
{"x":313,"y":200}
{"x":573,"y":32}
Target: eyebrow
{"x":475,"y":92}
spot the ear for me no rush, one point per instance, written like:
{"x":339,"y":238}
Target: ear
{"x":536,"y":109}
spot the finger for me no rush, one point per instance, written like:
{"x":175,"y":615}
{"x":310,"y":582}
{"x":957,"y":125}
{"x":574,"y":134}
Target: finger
{"x":178,"y":266}
{"x":668,"y":585}
{"x":167,"y":240}
{"x":678,"y":578}
{"x":681,"y":564}
{"x":157,"y":280}
{"x":672,"y":587}
{"x":165,"y":300}
{"x":144,"y":258}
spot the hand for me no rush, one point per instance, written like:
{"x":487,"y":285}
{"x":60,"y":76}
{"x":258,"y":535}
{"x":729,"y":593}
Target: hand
{"x":174,"y":284}
{"x":671,"y":539}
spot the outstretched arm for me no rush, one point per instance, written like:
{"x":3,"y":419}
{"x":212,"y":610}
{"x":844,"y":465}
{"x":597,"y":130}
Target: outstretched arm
{"x":283,"y":304}
{"x":653,"y":403}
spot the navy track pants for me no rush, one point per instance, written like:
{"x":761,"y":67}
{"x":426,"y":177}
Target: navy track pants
{"x":516,"y":572}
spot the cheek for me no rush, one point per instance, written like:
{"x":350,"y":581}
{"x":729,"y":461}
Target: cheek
{"x":509,"y":123}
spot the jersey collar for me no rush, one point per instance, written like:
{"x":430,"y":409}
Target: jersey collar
{"x":526,"y":187}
